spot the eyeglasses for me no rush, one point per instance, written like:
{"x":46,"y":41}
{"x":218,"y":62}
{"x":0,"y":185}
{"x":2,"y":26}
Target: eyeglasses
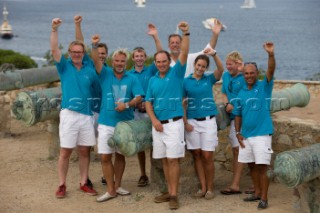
{"x":253,"y":63}
{"x":76,"y":52}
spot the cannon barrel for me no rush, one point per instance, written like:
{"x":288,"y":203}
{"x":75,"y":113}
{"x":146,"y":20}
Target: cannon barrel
{"x":35,"y":106}
{"x":298,"y":166}
{"x":295,"y":96}
{"x":12,"y":80}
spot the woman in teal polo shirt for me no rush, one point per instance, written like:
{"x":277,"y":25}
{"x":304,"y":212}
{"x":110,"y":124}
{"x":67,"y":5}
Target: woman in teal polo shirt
{"x":199,"y":120}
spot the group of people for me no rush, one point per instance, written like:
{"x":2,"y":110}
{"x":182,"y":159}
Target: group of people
{"x":176,"y":94}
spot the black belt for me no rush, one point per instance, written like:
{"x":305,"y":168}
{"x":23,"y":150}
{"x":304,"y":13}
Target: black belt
{"x":173,"y":119}
{"x":204,"y":118}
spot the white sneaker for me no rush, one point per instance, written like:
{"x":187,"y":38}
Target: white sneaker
{"x":105,"y":197}
{"x":122,"y":191}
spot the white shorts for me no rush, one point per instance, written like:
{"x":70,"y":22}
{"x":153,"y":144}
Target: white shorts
{"x":76,"y":129}
{"x":105,"y":132}
{"x":204,"y":134}
{"x":169,"y":143}
{"x":257,"y":149}
{"x":139,"y":115}
{"x":232,"y":135}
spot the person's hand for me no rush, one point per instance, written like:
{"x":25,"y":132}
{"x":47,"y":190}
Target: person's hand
{"x":183,"y":26}
{"x":188,"y":127}
{"x":240,"y":139}
{"x":95,"y":39}
{"x":209,"y":51}
{"x":240,"y":65}
{"x":217,"y":27}
{"x":269,"y":47}
{"x":229,"y":108}
{"x":56,"y":22}
{"x":152,"y":30}
{"x":77,"y":19}
{"x":157,"y":125}
{"x":142,"y":106}
{"x":120,"y":106}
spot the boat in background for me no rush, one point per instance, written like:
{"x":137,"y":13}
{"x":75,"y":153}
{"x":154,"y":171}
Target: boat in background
{"x":210,"y":22}
{"x":248,"y":4}
{"x":5,"y":28}
{"x":140,"y":3}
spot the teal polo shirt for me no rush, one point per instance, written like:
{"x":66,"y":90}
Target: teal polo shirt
{"x":117,"y":90}
{"x":165,"y":93}
{"x":254,"y":108}
{"x":77,"y":85}
{"x":96,"y":90}
{"x":231,"y":86}
{"x":145,"y":75}
{"x":200,"y":97}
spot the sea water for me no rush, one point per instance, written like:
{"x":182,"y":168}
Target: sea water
{"x":293,"y":26}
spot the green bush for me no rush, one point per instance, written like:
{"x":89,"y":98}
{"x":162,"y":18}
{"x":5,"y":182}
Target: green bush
{"x":20,"y":61}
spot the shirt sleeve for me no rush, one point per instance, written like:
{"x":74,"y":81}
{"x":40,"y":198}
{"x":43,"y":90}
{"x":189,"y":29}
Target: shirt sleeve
{"x":137,"y":89}
{"x":179,"y":70}
{"x":61,"y":65}
{"x":149,"y":95}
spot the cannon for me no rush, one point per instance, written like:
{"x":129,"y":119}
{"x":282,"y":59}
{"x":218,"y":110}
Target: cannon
{"x":297,"y":96}
{"x":295,"y":167}
{"x":300,"y":169}
{"x":32,"y":107}
{"x":18,"y":79}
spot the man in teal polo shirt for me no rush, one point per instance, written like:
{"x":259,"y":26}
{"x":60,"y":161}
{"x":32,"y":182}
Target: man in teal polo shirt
{"x":164,"y":107}
{"x":143,"y":73}
{"x":254,"y":127}
{"x":78,"y":80}
{"x":120,"y":94}
{"x":232,"y":82}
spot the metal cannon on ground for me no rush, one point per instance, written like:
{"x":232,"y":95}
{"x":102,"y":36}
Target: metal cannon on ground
{"x":18,"y":79}
{"x":31,"y":107}
{"x":300,"y":169}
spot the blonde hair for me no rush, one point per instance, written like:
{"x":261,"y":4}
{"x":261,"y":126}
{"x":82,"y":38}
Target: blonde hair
{"x":121,"y":51}
{"x":74,"y":43}
{"x":234,"y":56}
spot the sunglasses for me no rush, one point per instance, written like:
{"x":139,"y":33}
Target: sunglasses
{"x":253,"y":63}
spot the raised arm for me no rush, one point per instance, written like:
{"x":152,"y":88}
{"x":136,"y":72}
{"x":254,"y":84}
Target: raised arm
{"x":54,"y":44}
{"x":77,"y":23}
{"x":183,"y":56}
{"x":215,"y":33}
{"x":152,"y":31}
{"x":269,"y":47}
{"x":95,"y":55}
{"x":218,"y":72}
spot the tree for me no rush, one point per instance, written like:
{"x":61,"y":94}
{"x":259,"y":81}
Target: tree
{"x":20,"y":61}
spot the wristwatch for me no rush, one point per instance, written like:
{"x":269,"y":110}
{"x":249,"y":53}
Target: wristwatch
{"x":237,"y":133}
{"x":127,"y":105}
